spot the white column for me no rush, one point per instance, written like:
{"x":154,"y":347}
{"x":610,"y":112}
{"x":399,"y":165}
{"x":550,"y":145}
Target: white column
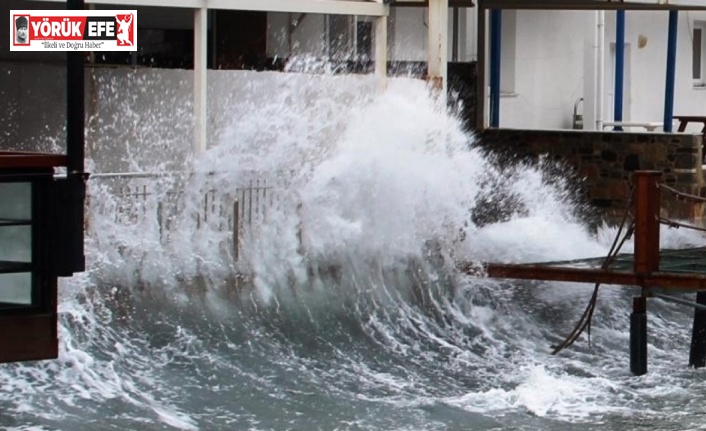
{"x":381,"y":52}
{"x":200,"y":80}
{"x":438,"y":43}
{"x":600,"y":69}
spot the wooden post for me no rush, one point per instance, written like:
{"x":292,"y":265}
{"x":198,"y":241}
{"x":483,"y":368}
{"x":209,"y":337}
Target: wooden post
{"x":647,"y":207}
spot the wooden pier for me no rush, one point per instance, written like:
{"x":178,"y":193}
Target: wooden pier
{"x":657,"y":272}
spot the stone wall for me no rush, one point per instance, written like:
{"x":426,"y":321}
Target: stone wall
{"x":603,"y":163}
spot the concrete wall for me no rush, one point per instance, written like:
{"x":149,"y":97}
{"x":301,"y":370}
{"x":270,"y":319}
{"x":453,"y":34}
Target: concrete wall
{"x":605,"y":162}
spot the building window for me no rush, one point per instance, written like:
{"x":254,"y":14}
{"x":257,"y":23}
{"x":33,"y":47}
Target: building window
{"x":349,"y":42}
{"x":698,"y":46}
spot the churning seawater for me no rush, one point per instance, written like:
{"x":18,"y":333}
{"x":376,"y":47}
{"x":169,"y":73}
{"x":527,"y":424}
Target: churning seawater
{"x":351,"y":315}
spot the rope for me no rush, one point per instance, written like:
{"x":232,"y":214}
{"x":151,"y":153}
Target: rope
{"x":681,"y":194}
{"x":670,"y":298}
{"x":677,"y":225}
{"x":584,"y":322}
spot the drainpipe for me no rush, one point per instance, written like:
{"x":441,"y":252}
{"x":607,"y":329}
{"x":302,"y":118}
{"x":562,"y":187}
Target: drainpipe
{"x":671,"y":64}
{"x":619,"y":66}
{"x":495,"y":43}
{"x":600,"y":66}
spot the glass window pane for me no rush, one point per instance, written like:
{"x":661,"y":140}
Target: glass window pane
{"x":16,"y":243}
{"x":16,"y":201}
{"x":16,"y":289}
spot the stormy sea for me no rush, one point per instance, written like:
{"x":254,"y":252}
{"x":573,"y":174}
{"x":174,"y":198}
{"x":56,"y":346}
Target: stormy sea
{"x":302,"y":274}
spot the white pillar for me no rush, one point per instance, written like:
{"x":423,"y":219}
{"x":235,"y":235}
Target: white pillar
{"x":438,"y":43}
{"x":200,"y":80}
{"x":600,"y":69}
{"x":381,"y":52}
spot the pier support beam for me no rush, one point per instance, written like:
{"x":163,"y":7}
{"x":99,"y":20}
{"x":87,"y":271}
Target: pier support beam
{"x":697,"y":355}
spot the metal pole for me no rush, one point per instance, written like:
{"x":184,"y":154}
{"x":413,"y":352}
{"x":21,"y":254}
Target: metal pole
{"x":74,"y":259}
{"x":671,"y":64}
{"x":619,"y":67}
{"x":75,"y":109}
{"x":495,"y":51}
{"x":480,"y":70}
{"x":696,"y":305}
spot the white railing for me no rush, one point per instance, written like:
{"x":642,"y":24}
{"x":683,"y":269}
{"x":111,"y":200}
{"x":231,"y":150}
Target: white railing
{"x":130,"y":198}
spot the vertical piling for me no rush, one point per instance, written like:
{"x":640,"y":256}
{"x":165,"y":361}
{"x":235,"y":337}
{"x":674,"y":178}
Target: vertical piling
{"x":647,"y":207}
{"x":638,"y":336}
{"x":697,"y":355}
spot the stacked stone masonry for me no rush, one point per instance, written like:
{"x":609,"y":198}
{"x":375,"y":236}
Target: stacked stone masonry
{"x":604,"y":163}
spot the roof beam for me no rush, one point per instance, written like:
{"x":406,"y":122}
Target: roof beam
{"x":585,"y":5}
{"x":332,"y":7}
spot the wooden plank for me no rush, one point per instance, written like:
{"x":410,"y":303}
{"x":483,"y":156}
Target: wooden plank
{"x":28,"y":337}
{"x":549,"y":273}
{"x":585,"y":5}
{"x":19,"y":160}
{"x":663,"y":280}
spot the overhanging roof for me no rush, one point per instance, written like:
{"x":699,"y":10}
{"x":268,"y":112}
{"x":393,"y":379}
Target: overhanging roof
{"x":656,"y":5}
{"x":425,"y":3}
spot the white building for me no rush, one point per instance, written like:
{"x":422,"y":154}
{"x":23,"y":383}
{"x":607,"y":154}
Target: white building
{"x":554,"y":63}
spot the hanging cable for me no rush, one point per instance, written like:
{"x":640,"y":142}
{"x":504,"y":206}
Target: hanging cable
{"x":584,"y":322}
